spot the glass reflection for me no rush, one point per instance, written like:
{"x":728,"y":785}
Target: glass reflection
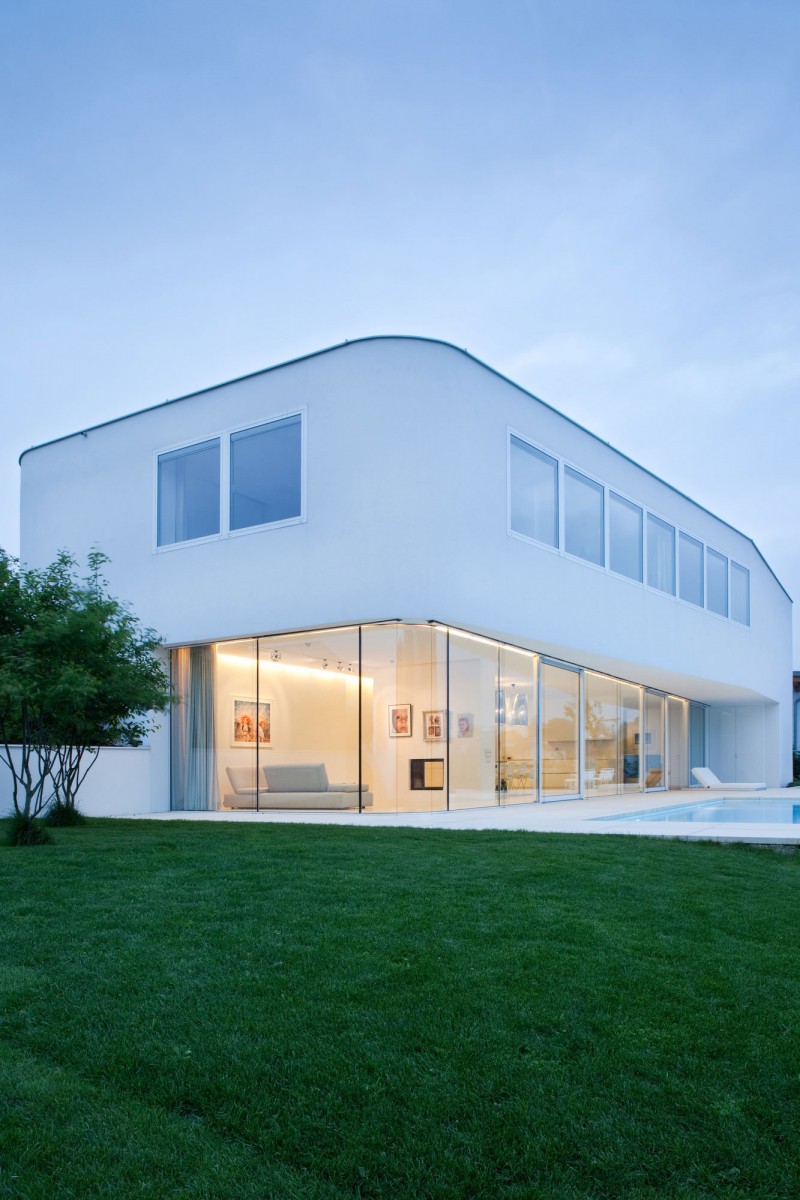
{"x":517,"y":726}
{"x":611,"y":730}
{"x":654,"y":739}
{"x":560,"y":701}
{"x":473,"y":736}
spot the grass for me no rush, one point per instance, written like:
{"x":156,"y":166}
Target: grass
{"x":241,"y":1011}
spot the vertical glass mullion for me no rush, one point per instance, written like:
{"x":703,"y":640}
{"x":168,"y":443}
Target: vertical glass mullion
{"x":258,"y":713}
{"x":447,"y":720}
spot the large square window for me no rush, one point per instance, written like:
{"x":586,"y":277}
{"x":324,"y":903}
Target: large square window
{"x":691,"y":570}
{"x":188,"y":493}
{"x":624,"y":537}
{"x":266,"y":473}
{"x":717,"y":582}
{"x":534,"y":493}
{"x":660,"y":555}
{"x":583,"y":517}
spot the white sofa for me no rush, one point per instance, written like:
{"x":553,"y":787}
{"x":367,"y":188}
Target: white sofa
{"x":291,"y":785}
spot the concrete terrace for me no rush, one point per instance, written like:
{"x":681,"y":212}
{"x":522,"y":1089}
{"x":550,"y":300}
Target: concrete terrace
{"x":568,"y":816}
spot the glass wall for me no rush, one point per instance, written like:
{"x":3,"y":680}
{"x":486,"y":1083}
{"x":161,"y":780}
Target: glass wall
{"x":213,"y":740}
{"x":474,"y":748}
{"x":407,"y":711}
{"x":678,"y":762}
{"x":612,"y":718}
{"x":397,"y":717}
{"x":517,"y":727}
{"x":697,"y":740}
{"x":560,"y":698}
{"x":308,"y":706}
{"x":655,"y":740}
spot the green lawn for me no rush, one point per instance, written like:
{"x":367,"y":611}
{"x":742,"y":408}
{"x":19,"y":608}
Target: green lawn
{"x":241,"y":1011}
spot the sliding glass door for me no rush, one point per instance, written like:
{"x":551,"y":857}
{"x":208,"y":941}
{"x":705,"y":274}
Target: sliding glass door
{"x":655,"y":740}
{"x":560,"y":731}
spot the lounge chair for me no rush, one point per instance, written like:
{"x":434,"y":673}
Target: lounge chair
{"x":708,"y":779}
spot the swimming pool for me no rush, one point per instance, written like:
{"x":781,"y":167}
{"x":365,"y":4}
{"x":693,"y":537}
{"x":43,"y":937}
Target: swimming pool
{"x":736,"y":810}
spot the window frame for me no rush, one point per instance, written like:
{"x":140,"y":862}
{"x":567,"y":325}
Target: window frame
{"x":581,"y":477}
{"x":613,"y":494}
{"x":712,"y":553}
{"x":175,"y":449}
{"x":223,"y":437}
{"x":228,"y":482}
{"x":558,"y":548}
{"x":732,"y":564}
{"x":610,"y":492}
{"x":652,"y":587}
{"x":682,"y":534}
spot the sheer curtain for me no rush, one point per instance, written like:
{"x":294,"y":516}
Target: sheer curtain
{"x":660,"y":555}
{"x":194,"y":759}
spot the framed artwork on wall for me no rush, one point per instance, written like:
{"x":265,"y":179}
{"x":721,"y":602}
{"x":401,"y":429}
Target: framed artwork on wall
{"x":251,"y":722}
{"x":399,"y":720}
{"x":435,"y":725}
{"x":465,"y":724}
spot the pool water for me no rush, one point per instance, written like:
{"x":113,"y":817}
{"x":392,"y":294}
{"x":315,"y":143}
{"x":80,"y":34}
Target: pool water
{"x":737,"y":810}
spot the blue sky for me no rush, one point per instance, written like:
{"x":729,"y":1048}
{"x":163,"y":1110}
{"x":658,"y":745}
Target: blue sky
{"x":598,"y":199}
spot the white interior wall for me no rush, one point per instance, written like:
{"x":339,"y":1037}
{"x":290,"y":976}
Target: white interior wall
{"x":313,"y":717}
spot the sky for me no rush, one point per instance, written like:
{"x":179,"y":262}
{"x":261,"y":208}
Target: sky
{"x":598,"y":199}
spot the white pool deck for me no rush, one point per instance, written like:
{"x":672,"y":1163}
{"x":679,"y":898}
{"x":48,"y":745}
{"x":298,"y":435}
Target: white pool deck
{"x":565,"y":816}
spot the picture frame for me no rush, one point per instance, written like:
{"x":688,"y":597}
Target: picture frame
{"x":435,"y":724}
{"x":249,"y":716}
{"x":465,"y":725}
{"x":400,"y":720}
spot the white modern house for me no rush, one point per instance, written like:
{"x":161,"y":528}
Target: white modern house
{"x":390,"y":579}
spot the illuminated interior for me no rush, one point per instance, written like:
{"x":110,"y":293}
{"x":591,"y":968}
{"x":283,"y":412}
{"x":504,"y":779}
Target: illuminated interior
{"x":397,"y":717}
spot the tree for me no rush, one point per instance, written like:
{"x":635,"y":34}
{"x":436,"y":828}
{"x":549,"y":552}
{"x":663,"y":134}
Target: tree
{"x":77,"y":671}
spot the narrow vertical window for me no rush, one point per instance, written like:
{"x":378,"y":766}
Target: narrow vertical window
{"x":691,"y":570}
{"x":584,"y":521}
{"x":625,"y":522}
{"x":740,"y":593}
{"x":717,"y":582}
{"x":266,"y":473}
{"x":188,"y":493}
{"x":660,"y":555}
{"x":534,"y":493}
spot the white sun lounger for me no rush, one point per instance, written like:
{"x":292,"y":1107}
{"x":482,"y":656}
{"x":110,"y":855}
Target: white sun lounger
{"x":708,"y":779}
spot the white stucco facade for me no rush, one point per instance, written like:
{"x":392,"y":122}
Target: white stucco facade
{"x":406,"y":515}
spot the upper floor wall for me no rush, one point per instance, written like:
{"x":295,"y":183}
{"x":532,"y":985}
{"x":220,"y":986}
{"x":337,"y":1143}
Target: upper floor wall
{"x":400,"y":507}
